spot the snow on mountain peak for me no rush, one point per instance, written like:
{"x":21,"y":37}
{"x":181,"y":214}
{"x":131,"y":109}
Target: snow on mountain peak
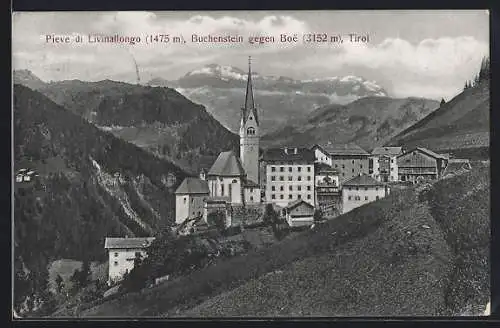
{"x":221,"y":71}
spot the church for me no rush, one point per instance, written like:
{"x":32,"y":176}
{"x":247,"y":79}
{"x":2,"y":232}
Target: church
{"x":232,"y":180}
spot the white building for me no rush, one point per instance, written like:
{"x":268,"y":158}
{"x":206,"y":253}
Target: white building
{"x":121,"y":254}
{"x":383,"y":164}
{"x":289,"y":175}
{"x":189,"y":199}
{"x":361,"y":190}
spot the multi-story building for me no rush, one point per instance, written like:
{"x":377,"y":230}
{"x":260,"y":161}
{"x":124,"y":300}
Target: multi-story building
{"x":289,"y":175}
{"x":383,"y":165}
{"x":349,"y":159}
{"x":360,"y":190}
{"x":420,"y":164}
{"x":122,"y":253}
{"x":327,"y":188}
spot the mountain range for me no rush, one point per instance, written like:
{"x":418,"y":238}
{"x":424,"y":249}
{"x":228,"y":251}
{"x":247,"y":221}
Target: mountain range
{"x":280,"y":99}
{"x":157,"y":119}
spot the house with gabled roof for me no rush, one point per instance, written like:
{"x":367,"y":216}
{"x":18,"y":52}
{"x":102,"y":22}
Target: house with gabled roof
{"x":361,"y":190}
{"x":349,"y":159}
{"x":421,"y":164}
{"x":122,"y":253}
{"x":189,"y":199}
{"x":299,"y":213}
{"x":383,"y":164}
{"x":456,"y":166}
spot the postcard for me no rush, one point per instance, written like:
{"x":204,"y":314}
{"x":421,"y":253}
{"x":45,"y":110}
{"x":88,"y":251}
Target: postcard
{"x":251,"y":164}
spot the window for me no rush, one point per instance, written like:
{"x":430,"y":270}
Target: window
{"x":308,"y":169}
{"x":251,"y":131}
{"x":360,"y":166}
{"x":234,"y":181}
{"x":185,"y":200}
{"x":308,"y":178}
{"x":273,"y":178}
{"x":282,"y":178}
{"x":352,"y":161}
{"x":348,"y":188}
{"x":366,"y":188}
{"x":357,"y":188}
{"x":289,"y":196}
{"x":273,"y":169}
{"x":376,"y":197}
{"x":281,"y":196}
{"x":299,"y":188}
{"x":192,"y":200}
{"x":309,"y":196}
{"x":299,"y":169}
{"x":290,"y":169}
{"x":116,"y":254}
{"x":290,"y":188}
{"x":343,"y":174}
{"x":343,"y":166}
{"x":336,"y":166}
{"x":273,"y":196}
{"x":392,"y":169}
{"x":352,"y":170}
{"x":376,"y":188}
{"x":273,"y":188}
{"x":282,"y":169}
{"x":357,"y":198}
{"x":281,"y":188}
{"x":116,"y":263}
{"x":349,"y":198}
{"x":366,"y":197}
{"x":299,"y":178}
{"x":251,"y":198}
{"x":392,"y":160}
{"x":299,"y":196}
{"x":309,"y":188}
{"x":289,"y":178}
{"x":222,"y":189}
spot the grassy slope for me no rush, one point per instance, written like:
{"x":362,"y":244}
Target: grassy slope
{"x":463,"y":122}
{"x":362,"y":263}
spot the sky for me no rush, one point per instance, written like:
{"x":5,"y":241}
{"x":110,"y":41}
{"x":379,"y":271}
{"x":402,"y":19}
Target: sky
{"x":410,"y":53}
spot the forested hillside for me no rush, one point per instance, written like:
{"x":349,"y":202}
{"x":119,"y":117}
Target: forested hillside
{"x":90,"y":185}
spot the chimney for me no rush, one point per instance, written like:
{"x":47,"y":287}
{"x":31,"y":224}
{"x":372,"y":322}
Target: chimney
{"x":295,"y":151}
{"x":286,"y":150}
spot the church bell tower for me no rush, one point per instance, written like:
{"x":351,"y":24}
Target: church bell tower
{"x":249,"y":132}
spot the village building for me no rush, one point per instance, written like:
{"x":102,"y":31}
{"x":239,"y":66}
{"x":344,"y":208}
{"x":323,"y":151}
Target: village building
{"x":299,"y":213}
{"x":189,"y":199}
{"x":121,"y":254}
{"x":25,"y":175}
{"x":289,"y":175}
{"x":361,"y":190}
{"x":420,"y":164}
{"x":349,"y":159}
{"x":383,"y":164}
{"x":327,"y":188}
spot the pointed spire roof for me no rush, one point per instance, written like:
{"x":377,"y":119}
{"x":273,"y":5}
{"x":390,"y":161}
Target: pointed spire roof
{"x":249,"y":101}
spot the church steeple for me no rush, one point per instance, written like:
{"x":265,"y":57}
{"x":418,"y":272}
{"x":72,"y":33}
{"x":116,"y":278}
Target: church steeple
{"x":249,"y":132}
{"x":249,"y":101}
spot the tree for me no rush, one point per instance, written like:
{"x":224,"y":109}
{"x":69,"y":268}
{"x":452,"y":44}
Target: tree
{"x":218,"y":219}
{"x":59,"y":284}
{"x":270,"y":216}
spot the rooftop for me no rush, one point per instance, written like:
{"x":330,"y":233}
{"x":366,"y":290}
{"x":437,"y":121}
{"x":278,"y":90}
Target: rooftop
{"x":296,"y":203}
{"x":388,"y":151}
{"x":322,"y":167}
{"x":250,"y":184}
{"x":362,"y":180}
{"x":289,"y":154}
{"x":227,"y":164}
{"x":342,"y":149}
{"x":124,"y":243}
{"x":193,"y":186}
{"x":426,"y":151}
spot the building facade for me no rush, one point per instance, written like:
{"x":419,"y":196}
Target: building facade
{"x":289,"y":175}
{"x":122,"y":253}
{"x":226,"y":177}
{"x":420,"y":164}
{"x":383,"y":165}
{"x":250,"y":134}
{"x":361,"y":190}
{"x":189,"y":199}
{"x":327,"y":188}
{"x":349,"y":159}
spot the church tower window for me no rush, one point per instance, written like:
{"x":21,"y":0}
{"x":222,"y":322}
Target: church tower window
{"x":251,"y":131}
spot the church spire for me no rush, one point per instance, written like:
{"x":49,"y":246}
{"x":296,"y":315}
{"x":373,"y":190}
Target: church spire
{"x":249,"y":104}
